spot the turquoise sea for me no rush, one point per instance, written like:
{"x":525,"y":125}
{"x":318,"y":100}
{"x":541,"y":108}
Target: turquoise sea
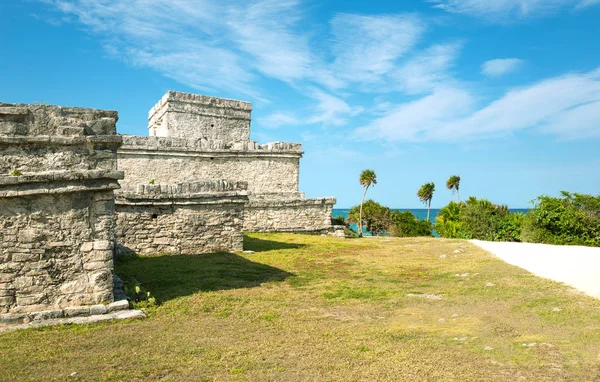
{"x":420,"y":213}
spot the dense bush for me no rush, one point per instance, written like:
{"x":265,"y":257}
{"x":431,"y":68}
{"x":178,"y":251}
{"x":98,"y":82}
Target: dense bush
{"x":478,"y":219}
{"x":405,"y":224}
{"x":571,"y":219}
{"x":338,"y":220}
{"x":380,"y":220}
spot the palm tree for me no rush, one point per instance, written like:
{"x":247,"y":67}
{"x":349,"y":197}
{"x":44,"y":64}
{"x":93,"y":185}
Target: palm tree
{"x":367,"y":178}
{"x":453,"y":183}
{"x":425,"y":193}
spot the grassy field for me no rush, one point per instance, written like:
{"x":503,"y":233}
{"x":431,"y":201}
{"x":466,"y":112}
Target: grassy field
{"x":313,"y":308}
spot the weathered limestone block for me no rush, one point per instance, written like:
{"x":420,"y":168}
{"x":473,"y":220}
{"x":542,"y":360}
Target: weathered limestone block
{"x":197,"y":116}
{"x":57,"y":176}
{"x":274,"y":169}
{"x":184,"y":218}
{"x":299,"y":215}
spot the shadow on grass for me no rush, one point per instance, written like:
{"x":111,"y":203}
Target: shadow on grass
{"x":171,"y":276}
{"x":261,"y":245}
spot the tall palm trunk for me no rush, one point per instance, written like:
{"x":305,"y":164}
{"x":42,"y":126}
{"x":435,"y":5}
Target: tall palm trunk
{"x":428,"y":208}
{"x":458,"y":194}
{"x":360,"y":231}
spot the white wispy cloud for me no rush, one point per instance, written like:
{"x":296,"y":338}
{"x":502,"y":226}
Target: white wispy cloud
{"x":276,"y":120}
{"x":426,"y":70}
{"x":506,"y":10}
{"x":566,"y":106}
{"x":501,"y":66}
{"x":331,"y":110}
{"x":367,"y":47}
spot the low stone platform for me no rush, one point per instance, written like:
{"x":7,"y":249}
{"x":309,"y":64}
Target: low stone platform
{"x":109,"y":316}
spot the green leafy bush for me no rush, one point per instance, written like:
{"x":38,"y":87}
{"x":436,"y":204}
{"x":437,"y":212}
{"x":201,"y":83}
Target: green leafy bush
{"x":405,"y":224}
{"x":139,"y":297}
{"x":380,"y":220}
{"x":478,"y":219}
{"x":572,"y":219}
{"x":338,"y":220}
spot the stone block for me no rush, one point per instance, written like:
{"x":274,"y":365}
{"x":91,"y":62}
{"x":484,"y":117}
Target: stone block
{"x":46,"y":315}
{"x":103,"y":244}
{"x":76,"y":311}
{"x":118,"y":305}
{"x":98,"y":309}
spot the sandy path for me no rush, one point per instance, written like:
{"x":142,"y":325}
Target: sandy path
{"x":578,"y":267}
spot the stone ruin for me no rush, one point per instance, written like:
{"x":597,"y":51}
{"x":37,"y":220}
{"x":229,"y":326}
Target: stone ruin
{"x":72,"y":191}
{"x":194,"y":137}
{"x":59,"y":170}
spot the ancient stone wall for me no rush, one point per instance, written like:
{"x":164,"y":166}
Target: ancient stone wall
{"x":268,"y":168}
{"x":58,"y":169}
{"x":186,"y":115}
{"x":186,"y":218}
{"x":296,"y":215}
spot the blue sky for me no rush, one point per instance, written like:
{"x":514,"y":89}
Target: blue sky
{"x":505,"y":93}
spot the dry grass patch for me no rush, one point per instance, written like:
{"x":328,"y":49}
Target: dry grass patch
{"x":319,"y":308}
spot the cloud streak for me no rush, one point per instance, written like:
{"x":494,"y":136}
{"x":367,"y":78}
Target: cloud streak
{"x":508,"y":10}
{"x":566,"y":106}
{"x":500,"y":67}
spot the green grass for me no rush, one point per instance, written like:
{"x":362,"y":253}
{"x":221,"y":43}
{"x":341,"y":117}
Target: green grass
{"x":320,"y":308}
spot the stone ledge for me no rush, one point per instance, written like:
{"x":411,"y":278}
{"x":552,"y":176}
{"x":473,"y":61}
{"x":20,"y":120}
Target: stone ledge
{"x":118,"y":315}
{"x":291,"y":203}
{"x":50,"y":140}
{"x":175,"y":144}
{"x":190,"y":188}
{"x":174,"y":96}
{"x":60,"y":176}
{"x":216,"y":198}
{"x":67,"y":312}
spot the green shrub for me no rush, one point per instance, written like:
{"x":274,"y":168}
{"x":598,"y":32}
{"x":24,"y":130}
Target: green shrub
{"x":405,"y":224}
{"x":338,"y":220}
{"x":478,"y":219}
{"x":139,"y":297}
{"x":376,"y":217}
{"x":572,"y":219}
{"x":380,"y":220}
{"x":16,"y":172}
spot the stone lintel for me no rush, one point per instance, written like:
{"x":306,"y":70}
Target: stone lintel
{"x":198,"y":147}
{"x":254,"y":203}
{"x":200,"y":104}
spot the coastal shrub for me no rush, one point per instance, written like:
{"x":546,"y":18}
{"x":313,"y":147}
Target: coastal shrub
{"x":338,"y":220}
{"x":572,"y":219}
{"x":381,"y":220}
{"x":376,"y":217}
{"x":405,"y":224}
{"x":478,"y":219}
{"x":448,"y":224}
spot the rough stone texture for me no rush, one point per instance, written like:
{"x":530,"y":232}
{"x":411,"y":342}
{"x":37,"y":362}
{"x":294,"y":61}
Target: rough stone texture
{"x":197,"y":116}
{"x":266,"y":168}
{"x":25,"y":322}
{"x":300,"y":215}
{"x":57,"y":209}
{"x":199,"y":137}
{"x":185,"y":218}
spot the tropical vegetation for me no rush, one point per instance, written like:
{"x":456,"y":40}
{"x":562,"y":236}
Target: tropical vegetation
{"x":381,"y":220}
{"x":367,"y":178}
{"x":425,"y":193}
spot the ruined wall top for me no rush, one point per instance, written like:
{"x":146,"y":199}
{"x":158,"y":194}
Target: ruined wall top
{"x":187,"y":115}
{"x":47,"y":120}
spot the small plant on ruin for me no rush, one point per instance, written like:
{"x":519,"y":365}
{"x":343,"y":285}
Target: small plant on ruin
{"x":139,"y":297}
{"x":16,"y":172}
{"x":151,"y":181}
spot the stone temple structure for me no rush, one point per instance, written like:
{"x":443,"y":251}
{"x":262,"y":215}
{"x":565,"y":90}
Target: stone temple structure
{"x":73,"y":193}
{"x":58,"y":171}
{"x":194,"y":137}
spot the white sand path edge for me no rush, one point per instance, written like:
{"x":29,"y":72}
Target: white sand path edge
{"x":576,"y":266}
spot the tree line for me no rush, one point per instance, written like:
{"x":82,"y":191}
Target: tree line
{"x":572,"y":218}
